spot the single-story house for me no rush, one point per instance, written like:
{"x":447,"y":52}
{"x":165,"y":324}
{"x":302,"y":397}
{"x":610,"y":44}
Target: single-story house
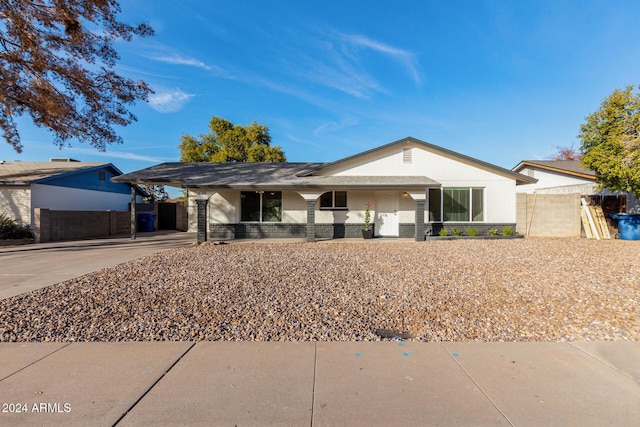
{"x":566,"y":177}
{"x":411,"y":186}
{"x":61,"y":184}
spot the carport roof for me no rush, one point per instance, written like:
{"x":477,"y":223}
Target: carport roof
{"x":262,"y":176}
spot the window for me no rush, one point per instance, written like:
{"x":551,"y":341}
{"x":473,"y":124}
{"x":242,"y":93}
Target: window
{"x":456,"y":204}
{"x":261,"y":206}
{"x":333,"y":200}
{"x":102,"y":176}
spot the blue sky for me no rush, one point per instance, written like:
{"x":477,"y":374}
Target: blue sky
{"x":501,"y":81}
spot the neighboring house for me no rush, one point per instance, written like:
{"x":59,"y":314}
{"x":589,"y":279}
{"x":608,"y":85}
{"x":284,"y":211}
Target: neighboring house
{"x":61,"y":184}
{"x":566,"y":177}
{"x":412,"y":186}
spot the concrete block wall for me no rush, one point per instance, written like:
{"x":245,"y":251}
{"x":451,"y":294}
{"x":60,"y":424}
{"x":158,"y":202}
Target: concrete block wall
{"x":548,"y":215}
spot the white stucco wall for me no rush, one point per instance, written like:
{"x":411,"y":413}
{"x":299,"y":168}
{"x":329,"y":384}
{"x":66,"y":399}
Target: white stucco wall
{"x":499,"y":190}
{"x":16,"y":202}
{"x":550,"y":179}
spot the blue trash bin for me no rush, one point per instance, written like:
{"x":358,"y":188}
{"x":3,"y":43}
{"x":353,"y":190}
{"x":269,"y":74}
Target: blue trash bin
{"x":628,"y":226}
{"x":145,"y":221}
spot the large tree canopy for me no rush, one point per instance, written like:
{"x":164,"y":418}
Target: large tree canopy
{"x":231,"y":143}
{"x":56,"y":60}
{"x":611,"y":142}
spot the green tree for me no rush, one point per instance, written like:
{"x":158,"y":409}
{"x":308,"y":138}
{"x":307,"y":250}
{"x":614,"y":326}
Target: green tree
{"x":56,"y":65}
{"x":610,"y":142}
{"x":230,"y":143}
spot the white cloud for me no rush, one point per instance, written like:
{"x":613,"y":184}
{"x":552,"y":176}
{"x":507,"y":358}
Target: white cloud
{"x":405,"y":57}
{"x":169,"y":101}
{"x":181,"y":60}
{"x":120,"y":155}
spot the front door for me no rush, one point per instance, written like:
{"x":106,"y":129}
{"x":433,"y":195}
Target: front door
{"x":387,"y":221}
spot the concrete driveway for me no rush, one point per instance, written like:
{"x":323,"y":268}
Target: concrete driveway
{"x":29,"y":267}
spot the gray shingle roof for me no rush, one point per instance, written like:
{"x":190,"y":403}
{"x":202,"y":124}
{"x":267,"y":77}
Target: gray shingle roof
{"x":262,"y":175}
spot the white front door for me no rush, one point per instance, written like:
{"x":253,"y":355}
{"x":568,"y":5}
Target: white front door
{"x":387,"y":220}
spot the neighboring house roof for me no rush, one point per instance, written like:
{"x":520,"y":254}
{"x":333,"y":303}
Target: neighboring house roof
{"x":298,"y":175}
{"x":25,"y":173}
{"x":566,"y":167}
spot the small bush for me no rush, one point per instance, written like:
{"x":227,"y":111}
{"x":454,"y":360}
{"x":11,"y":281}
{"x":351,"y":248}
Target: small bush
{"x":472,"y":231}
{"x":493,"y":232}
{"x":11,"y":229}
{"x":456,"y":231}
{"x":507,"y":231}
{"x":442,"y":232}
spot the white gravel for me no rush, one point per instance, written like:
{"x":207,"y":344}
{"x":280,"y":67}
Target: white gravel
{"x":467,"y":290}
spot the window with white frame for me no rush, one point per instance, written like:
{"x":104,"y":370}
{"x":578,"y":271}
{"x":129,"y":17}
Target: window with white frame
{"x":333,"y":200}
{"x":463,"y":204}
{"x":261,"y":206}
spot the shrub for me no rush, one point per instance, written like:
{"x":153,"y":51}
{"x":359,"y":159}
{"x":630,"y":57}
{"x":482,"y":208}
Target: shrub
{"x":472,"y":231}
{"x":442,"y":232}
{"x":456,"y":231}
{"x":507,"y":231}
{"x":493,"y":232}
{"x":11,"y":229}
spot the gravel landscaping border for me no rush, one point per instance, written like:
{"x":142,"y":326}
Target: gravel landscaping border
{"x":462,"y":290}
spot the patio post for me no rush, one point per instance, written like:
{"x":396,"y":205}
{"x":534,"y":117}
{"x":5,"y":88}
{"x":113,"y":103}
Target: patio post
{"x":133,"y":212}
{"x":420,"y":203}
{"x":202,"y":218}
{"x":311,"y":220}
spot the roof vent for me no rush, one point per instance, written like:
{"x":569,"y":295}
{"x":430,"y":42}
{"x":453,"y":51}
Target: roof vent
{"x":62,"y":159}
{"x":407,"y":156}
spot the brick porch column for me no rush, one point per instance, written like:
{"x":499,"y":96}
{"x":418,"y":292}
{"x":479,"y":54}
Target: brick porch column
{"x":202,"y":219}
{"x":420,"y":203}
{"x":311,"y":220}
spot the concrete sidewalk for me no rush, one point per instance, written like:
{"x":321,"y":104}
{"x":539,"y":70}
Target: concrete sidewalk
{"x":29,"y":267}
{"x":325,"y":383}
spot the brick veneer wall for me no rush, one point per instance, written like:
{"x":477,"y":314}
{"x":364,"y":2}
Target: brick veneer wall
{"x":330,"y":231}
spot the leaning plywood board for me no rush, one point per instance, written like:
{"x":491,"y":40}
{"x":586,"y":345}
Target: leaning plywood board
{"x":585,"y":223}
{"x":602,"y":222}
{"x":592,"y":223}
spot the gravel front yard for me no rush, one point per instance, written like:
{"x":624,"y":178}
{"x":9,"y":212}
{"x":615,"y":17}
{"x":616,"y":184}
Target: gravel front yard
{"x":467,"y":290}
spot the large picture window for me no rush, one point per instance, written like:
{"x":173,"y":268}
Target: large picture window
{"x":261,"y":206}
{"x":456,"y":204}
{"x":333,"y":200}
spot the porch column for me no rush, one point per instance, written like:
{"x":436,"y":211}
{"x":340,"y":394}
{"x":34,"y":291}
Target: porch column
{"x":310,"y":198}
{"x":202,"y":219}
{"x":420,"y":220}
{"x":311,"y":220}
{"x":420,"y":198}
{"x":133,"y":212}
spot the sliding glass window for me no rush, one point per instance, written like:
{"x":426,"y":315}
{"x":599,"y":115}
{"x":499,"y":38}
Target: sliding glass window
{"x":456,"y":204}
{"x":261,"y":206}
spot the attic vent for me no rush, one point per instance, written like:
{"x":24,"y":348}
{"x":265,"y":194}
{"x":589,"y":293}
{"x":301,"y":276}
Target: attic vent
{"x":407,"y":156}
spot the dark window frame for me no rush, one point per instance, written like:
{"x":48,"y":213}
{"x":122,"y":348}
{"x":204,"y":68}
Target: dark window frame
{"x":444,"y":208}
{"x":333,"y":207}
{"x":262,"y":211}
